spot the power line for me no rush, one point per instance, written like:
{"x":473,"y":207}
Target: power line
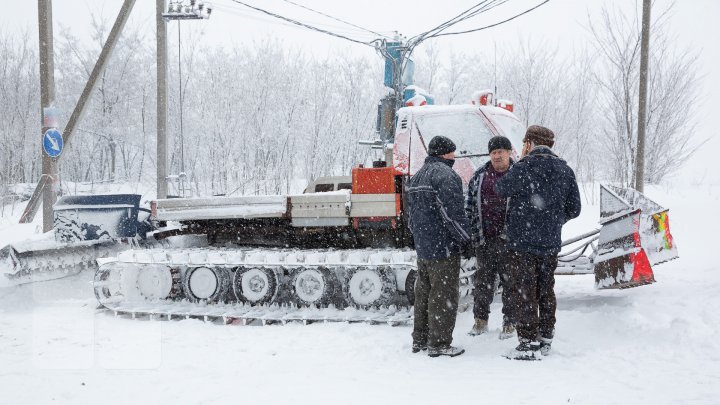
{"x":493,"y":25}
{"x":335,"y":18}
{"x":370,"y":43}
{"x":412,"y":43}
{"x":264,"y":18}
{"x":471,"y":12}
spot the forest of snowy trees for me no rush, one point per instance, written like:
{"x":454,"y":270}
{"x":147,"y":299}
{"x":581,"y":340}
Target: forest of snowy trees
{"x":259,"y":115}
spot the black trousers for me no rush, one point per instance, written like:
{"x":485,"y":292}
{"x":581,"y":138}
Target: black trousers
{"x":436,"y":301}
{"x":534,"y":278}
{"x":493,"y":262}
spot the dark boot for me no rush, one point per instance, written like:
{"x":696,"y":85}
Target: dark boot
{"x":526,"y":350}
{"x":450,"y":351}
{"x":416,"y":347}
{"x":480,"y":327}
{"x":508,"y":331}
{"x":545,"y":345}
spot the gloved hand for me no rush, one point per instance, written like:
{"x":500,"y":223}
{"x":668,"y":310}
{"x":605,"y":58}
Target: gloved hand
{"x":467,"y":250}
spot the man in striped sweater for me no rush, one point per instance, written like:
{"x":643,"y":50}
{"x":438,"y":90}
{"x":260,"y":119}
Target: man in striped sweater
{"x":486,"y":211}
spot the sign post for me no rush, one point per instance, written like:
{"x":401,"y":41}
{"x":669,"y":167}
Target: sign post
{"x":48,"y":186}
{"x":49,"y":117}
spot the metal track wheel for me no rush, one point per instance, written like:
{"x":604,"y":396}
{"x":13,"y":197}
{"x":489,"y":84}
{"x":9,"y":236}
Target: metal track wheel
{"x":206,"y":284}
{"x":255,"y":285}
{"x":108,"y":282}
{"x":313,"y":286}
{"x":367,"y":287}
{"x":157,"y":282}
{"x":410,"y":286}
{"x":100,"y":284}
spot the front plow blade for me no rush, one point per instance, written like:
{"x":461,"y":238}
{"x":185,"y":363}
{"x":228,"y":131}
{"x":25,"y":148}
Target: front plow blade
{"x":46,"y":259}
{"x":85,"y":228}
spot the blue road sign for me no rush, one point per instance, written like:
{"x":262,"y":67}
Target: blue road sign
{"x":53,"y":142}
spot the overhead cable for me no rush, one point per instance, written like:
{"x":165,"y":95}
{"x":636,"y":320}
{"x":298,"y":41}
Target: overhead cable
{"x":264,"y":18}
{"x":370,"y":43}
{"x":492,"y":25}
{"x":335,"y":18}
{"x":471,"y":12}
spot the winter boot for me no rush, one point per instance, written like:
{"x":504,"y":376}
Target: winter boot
{"x":448,"y":350}
{"x":508,"y":331}
{"x":526,"y":350}
{"x":416,"y":347}
{"x":545,"y":345}
{"x":480,"y":327}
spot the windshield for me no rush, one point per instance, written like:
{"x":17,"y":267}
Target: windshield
{"x":511,"y":128}
{"x":467,"y":129}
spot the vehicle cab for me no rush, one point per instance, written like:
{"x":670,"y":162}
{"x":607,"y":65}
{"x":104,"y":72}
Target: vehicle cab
{"x":470,"y":126}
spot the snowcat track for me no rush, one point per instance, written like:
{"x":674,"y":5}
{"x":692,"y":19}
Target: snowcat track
{"x":233,"y":309}
{"x":273,"y":314}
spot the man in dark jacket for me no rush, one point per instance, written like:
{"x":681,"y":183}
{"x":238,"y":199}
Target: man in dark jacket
{"x":543,"y":196}
{"x":440,"y":231}
{"x":486,"y":211}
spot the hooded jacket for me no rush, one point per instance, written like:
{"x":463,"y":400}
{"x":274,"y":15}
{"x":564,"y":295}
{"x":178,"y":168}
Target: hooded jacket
{"x":435,"y":210}
{"x":543,"y":195}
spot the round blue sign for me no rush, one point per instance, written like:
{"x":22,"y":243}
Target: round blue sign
{"x":53,"y":142}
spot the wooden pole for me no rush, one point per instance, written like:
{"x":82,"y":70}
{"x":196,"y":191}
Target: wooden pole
{"x":49,"y":179}
{"x":162,"y":99}
{"x":642,"y":104}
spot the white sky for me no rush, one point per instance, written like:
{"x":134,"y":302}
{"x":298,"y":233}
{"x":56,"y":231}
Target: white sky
{"x":560,"y":22}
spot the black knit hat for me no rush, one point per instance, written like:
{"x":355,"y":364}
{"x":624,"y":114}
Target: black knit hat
{"x":499,"y":142}
{"x":440,"y":145}
{"x":540,"y":136}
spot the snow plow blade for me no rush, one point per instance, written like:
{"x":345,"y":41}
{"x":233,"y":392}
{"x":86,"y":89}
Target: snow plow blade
{"x":85,"y":228}
{"x":635,"y":235}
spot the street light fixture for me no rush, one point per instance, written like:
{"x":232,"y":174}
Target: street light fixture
{"x":184,"y":10}
{"x":187,"y":10}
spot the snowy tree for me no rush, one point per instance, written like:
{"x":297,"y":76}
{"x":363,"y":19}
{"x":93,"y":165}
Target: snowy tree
{"x":673,"y":81}
{"x":532,"y":75}
{"x":19,"y":92}
{"x":113,"y":132}
{"x":19,"y":101}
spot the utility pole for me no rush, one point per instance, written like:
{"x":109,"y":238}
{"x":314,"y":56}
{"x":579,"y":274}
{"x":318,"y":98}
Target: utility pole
{"x":47,"y":96}
{"x":162,"y":73}
{"x":642,"y":104}
{"x":49,"y":178}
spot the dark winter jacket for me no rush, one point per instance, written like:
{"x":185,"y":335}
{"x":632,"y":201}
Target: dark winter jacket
{"x":435,"y":210}
{"x":473,"y":203}
{"x":543,"y":196}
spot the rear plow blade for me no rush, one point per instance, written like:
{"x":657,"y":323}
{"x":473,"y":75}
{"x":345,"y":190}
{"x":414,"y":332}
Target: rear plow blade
{"x":621,"y":261}
{"x":635,"y":235}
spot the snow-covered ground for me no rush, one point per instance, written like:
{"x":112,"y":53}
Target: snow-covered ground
{"x":654,"y":344}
